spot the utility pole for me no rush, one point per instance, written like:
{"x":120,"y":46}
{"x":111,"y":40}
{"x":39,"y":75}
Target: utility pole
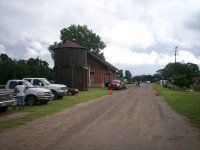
{"x":175,"y":52}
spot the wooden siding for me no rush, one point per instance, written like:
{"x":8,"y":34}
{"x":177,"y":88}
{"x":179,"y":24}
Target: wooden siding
{"x":72,"y":77}
{"x":70,"y":57}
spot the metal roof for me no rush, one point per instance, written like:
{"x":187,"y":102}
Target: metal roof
{"x":103,"y":61}
{"x":70,"y":44}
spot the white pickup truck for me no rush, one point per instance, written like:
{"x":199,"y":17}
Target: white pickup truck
{"x":5,"y":100}
{"x":58,"y":90}
{"x":33,"y":94}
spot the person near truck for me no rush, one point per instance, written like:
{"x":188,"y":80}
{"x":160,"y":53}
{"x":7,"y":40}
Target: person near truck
{"x":20,"y":89}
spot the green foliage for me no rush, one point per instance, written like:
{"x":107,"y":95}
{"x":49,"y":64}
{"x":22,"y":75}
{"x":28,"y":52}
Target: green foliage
{"x":7,"y":68}
{"x":143,"y":78}
{"x":181,"y":80}
{"x":120,"y":74}
{"x":13,"y":69}
{"x":83,"y":36}
{"x":128,"y":76}
{"x":51,"y":48}
{"x":187,"y":103}
{"x":181,"y":73}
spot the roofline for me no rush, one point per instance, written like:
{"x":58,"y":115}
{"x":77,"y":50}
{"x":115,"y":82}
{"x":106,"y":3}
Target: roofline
{"x":69,"y":44}
{"x":103,"y":61}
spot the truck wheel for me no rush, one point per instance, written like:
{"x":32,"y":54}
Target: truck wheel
{"x":44,"y":102}
{"x":55,"y":95}
{"x":3,"y":109}
{"x":31,"y":100}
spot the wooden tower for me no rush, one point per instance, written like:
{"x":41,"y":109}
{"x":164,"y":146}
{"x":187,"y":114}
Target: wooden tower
{"x":70,"y":65}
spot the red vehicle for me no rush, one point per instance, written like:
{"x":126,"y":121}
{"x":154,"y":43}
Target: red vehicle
{"x":72,"y":91}
{"x":116,"y":84}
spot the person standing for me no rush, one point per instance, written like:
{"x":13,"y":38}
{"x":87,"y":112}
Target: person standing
{"x":20,"y":89}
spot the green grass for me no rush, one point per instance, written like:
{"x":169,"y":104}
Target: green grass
{"x":39,"y":111}
{"x":186,"y":103}
{"x":128,"y":86}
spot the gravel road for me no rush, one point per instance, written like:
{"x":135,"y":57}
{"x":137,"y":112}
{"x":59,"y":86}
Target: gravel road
{"x":133,"y":119}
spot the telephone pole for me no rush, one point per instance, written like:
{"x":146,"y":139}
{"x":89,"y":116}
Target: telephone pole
{"x":175,"y":52}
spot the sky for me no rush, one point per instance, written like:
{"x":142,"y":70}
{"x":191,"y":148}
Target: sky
{"x":140,"y":35}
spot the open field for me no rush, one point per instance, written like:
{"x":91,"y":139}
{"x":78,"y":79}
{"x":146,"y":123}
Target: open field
{"x":186,"y":103}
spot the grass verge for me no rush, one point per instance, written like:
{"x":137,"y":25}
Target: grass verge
{"x":186,"y":103}
{"x":40,"y":111}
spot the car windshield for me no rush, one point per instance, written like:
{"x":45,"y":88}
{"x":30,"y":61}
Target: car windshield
{"x":28,"y":84}
{"x":115,"y":81}
{"x":45,"y":81}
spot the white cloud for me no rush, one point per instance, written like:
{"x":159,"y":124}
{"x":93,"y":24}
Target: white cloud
{"x":133,"y":34}
{"x":125,"y":58}
{"x":138,"y":33}
{"x":2,"y":49}
{"x":186,"y":56}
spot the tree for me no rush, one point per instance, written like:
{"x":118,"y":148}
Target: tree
{"x":11,"y":68}
{"x":181,"y":73}
{"x":120,"y":74}
{"x":7,"y":68}
{"x":128,"y":76}
{"x":83,"y":36}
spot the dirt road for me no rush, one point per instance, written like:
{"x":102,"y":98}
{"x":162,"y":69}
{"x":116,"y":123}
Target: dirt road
{"x":133,"y":119}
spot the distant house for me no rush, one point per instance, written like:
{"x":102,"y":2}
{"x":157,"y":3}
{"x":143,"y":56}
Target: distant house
{"x":76,"y":67}
{"x":100,"y":71}
{"x":196,"y":80}
{"x":196,"y":84}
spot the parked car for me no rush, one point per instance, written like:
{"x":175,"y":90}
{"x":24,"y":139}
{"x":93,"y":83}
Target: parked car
{"x":72,"y":91}
{"x":5,"y":100}
{"x":33,"y":94}
{"x":117,"y":84}
{"x":58,"y":90}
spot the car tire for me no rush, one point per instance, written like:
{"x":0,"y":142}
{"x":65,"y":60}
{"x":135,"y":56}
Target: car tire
{"x":3,"y":109}
{"x":55,"y":95}
{"x":31,"y":100}
{"x":44,"y":102}
{"x":59,"y":97}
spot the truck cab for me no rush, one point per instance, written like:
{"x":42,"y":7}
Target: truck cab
{"x":58,"y":90}
{"x":33,"y":94}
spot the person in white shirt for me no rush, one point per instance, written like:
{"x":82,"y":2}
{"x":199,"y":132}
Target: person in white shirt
{"x":20,"y":89}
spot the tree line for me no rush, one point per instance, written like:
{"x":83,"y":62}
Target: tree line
{"x":179,"y":74}
{"x":18,"y":69}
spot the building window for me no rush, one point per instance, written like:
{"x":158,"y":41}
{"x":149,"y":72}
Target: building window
{"x":91,"y":76}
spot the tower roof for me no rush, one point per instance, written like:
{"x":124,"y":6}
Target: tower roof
{"x":70,"y":44}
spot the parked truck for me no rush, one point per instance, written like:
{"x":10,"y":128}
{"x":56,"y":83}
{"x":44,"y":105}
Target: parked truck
{"x":58,"y":90}
{"x":5,"y":100}
{"x":33,"y":94}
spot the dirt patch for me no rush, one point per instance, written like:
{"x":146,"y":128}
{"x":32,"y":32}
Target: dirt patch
{"x":12,"y":116}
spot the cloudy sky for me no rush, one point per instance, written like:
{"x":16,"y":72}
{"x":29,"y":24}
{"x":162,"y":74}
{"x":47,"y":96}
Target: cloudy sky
{"x":141,"y":35}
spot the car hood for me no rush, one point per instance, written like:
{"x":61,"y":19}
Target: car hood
{"x":56,"y":85}
{"x":35,"y":89}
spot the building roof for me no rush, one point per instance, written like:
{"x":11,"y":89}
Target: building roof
{"x":70,"y":44}
{"x":196,"y":78}
{"x":103,"y":61}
